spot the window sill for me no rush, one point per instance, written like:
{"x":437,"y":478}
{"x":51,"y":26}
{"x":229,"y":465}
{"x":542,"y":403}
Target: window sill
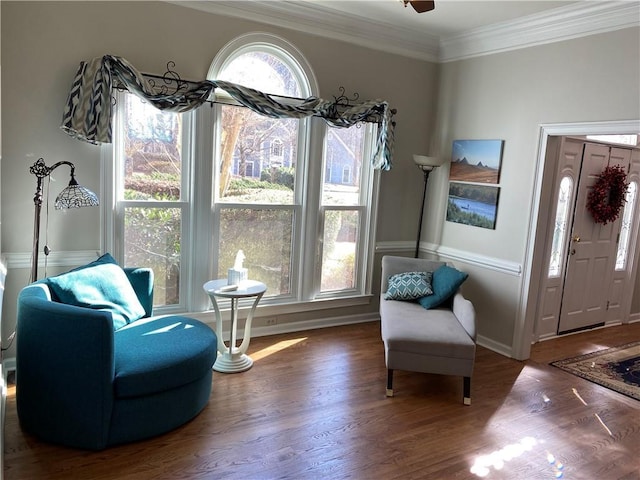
{"x":268,"y":309}
{"x":274,"y":309}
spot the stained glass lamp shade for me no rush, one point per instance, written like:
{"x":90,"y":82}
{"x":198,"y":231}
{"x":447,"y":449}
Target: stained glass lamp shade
{"x":76,"y":196}
{"x":73,"y":196}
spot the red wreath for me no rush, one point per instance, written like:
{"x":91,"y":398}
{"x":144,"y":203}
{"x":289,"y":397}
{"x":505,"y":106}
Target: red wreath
{"x":608,"y":195}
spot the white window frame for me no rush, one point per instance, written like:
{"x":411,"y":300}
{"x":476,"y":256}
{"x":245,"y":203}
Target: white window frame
{"x":114,"y":209}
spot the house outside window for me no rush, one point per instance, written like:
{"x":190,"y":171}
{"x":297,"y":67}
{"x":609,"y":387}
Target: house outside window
{"x":306,"y":236}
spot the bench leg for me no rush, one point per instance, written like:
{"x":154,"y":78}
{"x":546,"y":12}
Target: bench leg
{"x":467,"y":390}
{"x":389,"y":382}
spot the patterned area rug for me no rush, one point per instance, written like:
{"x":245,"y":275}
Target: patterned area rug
{"x":617,"y":368}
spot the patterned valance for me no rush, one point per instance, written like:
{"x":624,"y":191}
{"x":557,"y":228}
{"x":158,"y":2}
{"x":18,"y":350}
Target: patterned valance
{"x":89,"y":108}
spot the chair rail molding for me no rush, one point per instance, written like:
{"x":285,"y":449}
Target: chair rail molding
{"x":395,"y":246}
{"x":54,"y":259}
{"x":483,"y":261}
{"x":488,"y":263}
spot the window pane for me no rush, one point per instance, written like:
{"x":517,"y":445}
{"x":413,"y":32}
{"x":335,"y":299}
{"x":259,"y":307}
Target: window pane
{"x":258,"y":158}
{"x":343,"y":166}
{"x":560,"y":226}
{"x":153,"y":152}
{"x":265,"y":237}
{"x":152,"y":239}
{"x":625,"y":228}
{"x":339,"y":250}
{"x":262,"y":71}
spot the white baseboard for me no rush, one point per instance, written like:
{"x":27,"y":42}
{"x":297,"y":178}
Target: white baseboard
{"x":291,"y":327}
{"x":314,"y":324}
{"x":494,"y":346}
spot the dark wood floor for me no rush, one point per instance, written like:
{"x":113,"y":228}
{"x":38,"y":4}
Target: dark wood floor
{"x":313,"y":407}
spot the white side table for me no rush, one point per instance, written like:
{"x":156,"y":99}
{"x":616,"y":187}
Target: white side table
{"x":233,"y":359}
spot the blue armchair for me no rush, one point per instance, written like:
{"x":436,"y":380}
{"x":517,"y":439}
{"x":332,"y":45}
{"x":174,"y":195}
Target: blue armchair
{"x":84,"y":380}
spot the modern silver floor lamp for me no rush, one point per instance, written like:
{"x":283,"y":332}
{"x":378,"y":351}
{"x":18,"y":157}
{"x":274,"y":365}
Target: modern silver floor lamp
{"x":73,"y":196}
{"x":426,"y":164}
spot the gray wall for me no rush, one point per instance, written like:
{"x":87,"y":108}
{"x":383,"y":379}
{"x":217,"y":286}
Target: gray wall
{"x":43,"y":43}
{"x":508,"y":96}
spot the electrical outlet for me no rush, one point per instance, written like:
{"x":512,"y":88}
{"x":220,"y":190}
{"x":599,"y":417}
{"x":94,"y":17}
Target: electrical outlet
{"x":272,"y":321}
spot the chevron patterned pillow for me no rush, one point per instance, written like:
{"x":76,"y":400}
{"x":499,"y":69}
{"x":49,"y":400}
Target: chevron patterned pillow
{"x":409,"y":286}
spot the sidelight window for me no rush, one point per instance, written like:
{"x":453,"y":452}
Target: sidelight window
{"x":560,"y":226}
{"x":625,"y":227}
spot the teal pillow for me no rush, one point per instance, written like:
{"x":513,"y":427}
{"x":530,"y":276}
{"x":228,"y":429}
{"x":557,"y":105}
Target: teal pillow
{"x":446,"y":281}
{"x":408,"y":286}
{"x":100,"y":285}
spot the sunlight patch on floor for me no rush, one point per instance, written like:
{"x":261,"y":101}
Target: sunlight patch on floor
{"x":575,"y":392}
{"x":265,"y":352}
{"x":604,"y":425}
{"x":530,"y":378}
{"x":499,"y":459}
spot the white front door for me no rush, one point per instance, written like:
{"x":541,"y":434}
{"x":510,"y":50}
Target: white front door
{"x":591,"y":248}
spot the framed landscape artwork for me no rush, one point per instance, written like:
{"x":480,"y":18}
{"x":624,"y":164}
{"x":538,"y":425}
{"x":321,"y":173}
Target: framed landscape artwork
{"x":476,"y":161}
{"x":474,"y":175}
{"x":475,"y":205}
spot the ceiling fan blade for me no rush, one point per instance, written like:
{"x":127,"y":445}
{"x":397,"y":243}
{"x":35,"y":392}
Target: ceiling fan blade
{"x":421,"y":6}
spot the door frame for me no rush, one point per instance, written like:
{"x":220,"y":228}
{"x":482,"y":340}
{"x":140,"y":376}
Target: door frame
{"x":538,"y":219}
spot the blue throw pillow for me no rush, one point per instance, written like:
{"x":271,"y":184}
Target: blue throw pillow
{"x":100,"y":285}
{"x":408,"y":286}
{"x":446,"y":281}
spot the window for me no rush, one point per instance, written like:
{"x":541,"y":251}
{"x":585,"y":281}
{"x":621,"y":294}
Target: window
{"x":560,"y":226}
{"x":346,"y":174}
{"x":223,"y":179}
{"x":151,"y":214}
{"x":302,"y":233}
{"x":276,"y":152}
{"x":625,"y":227}
{"x":344,"y":206}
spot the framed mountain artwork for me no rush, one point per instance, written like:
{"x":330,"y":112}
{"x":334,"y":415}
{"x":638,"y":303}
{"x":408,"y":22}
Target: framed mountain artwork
{"x":476,"y":161}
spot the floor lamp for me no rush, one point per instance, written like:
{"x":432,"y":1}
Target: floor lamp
{"x":73,"y":196}
{"x":426,"y":164}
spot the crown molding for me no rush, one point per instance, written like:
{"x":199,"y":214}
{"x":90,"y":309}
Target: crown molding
{"x":312,"y":18}
{"x":573,"y":21}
